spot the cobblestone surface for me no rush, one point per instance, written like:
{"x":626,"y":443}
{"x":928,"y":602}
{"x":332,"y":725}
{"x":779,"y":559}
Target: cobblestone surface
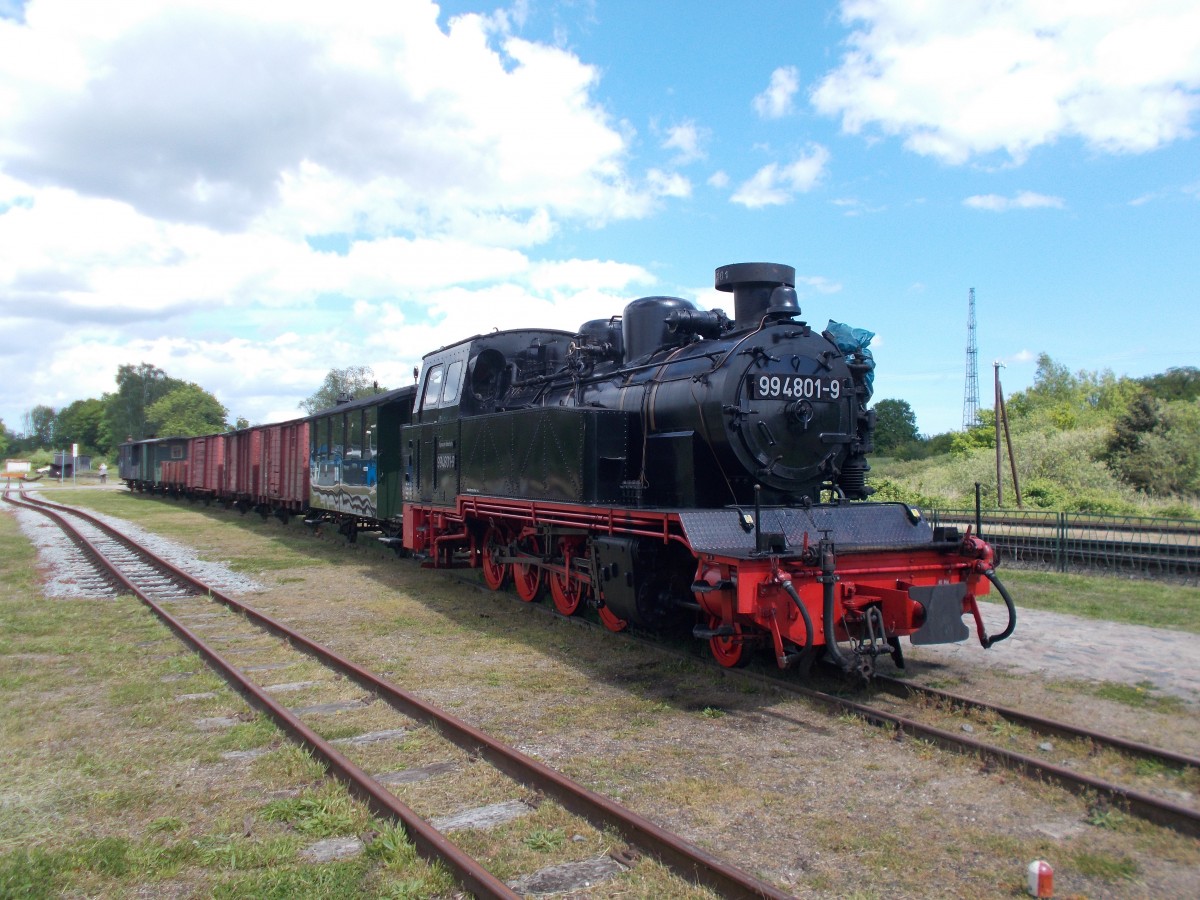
{"x":1057,"y":645}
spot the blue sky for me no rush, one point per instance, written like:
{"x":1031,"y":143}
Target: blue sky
{"x":247,"y":195}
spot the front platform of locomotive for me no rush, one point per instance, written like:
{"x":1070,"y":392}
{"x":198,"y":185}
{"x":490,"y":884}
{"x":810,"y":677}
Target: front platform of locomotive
{"x":778,"y":567}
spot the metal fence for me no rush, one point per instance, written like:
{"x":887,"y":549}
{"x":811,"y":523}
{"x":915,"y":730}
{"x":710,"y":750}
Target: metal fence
{"x":1083,"y":542}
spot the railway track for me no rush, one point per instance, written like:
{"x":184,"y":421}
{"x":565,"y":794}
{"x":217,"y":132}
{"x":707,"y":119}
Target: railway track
{"x":1078,"y":762}
{"x":1071,"y":542}
{"x":219,"y":627}
{"x":1109,"y":770}
{"x":1101,"y":767}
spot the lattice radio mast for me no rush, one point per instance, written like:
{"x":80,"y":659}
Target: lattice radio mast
{"x":971,"y":393}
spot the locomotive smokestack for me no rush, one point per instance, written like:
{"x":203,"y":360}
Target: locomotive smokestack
{"x":759,"y":289}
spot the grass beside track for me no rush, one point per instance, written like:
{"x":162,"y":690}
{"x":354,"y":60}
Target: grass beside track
{"x":109,"y":789}
{"x":1133,"y":601}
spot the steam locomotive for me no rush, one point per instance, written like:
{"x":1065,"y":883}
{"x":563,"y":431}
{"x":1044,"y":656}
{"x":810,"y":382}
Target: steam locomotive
{"x":670,"y":468}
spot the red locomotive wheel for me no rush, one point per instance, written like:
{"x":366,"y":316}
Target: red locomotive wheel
{"x":611,"y":620}
{"x":527,"y":577}
{"x":566,"y":590}
{"x":495,"y":573}
{"x":729,"y":651}
{"x":567,"y":593}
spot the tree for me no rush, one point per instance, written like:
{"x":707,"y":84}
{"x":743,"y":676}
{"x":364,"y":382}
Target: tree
{"x":895,"y":425}
{"x":82,"y":423}
{"x":241,"y":424}
{"x":1155,"y":446}
{"x":137,"y":388}
{"x":40,"y":427}
{"x":1060,"y":399}
{"x":353,"y":382}
{"x":186,"y":411}
{"x":5,"y":437}
{"x":1177,"y":383}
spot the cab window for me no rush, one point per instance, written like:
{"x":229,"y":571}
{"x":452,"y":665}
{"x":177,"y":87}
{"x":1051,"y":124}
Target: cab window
{"x":433,"y":387}
{"x":453,"y":378}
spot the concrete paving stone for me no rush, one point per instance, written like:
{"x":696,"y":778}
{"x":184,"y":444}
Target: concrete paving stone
{"x":412,"y":776}
{"x":291,"y":686}
{"x":483,"y":817}
{"x":215,"y":723}
{"x":240,"y":755}
{"x":573,"y":876}
{"x":373,"y":737}
{"x":1060,"y":831}
{"x":332,"y":849}
{"x":338,"y":706}
{"x":203,"y":695}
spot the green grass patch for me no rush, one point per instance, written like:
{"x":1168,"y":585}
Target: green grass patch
{"x":1150,"y":603}
{"x":1143,"y":695}
{"x":545,"y":840}
{"x":249,"y":735}
{"x":324,"y":812}
{"x":1105,"y":866}
{"x":81,"y":866}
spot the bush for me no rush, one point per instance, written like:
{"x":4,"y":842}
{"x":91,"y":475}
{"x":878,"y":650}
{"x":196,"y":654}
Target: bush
{"x":1044,"y":494}
{"x":888,"y":491}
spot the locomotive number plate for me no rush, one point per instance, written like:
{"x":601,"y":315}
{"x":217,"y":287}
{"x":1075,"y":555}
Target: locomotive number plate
{"x":794,"y":387}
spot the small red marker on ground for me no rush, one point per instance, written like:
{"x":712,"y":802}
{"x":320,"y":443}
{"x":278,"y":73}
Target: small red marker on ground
{"x":1041,"y":879}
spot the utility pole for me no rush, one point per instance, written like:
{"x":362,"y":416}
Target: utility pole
{"x":999,"y":471}
{"x":1002,"y":422}
{"x":971,"y":392}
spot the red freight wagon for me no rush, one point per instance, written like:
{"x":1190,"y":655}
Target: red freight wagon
{"x":174,"y":474}
{"x":214,"y":465}
{"x":243,"y":451}
{"x":283,"y":470}
{"x":197,"y":453}
{"x":207,"y":465}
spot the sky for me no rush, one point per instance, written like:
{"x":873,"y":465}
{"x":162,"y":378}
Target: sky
{"x":248,"y":195}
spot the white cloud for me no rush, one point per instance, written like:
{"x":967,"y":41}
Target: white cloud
{"x":774,"y":185}
{"x":819,"y":283}
{"x":173,"y":174}
{"x":852,"y":206}
{"x":668,"y":184}
{"x":1023,"y":200}
{"x":776,"y":101}
{"x":221,"y":112}
{"x":959,"y":79}
{"x":686,"y":139}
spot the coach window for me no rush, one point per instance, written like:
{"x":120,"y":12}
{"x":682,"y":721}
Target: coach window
{"x":313,"y":444}
{"x":353,"y":471}
{"x":453,"y":378}
{"x":433,"y":387}
{"x":370,"y":432}
{"x":322,"y":457}
{"x":339,"y":445}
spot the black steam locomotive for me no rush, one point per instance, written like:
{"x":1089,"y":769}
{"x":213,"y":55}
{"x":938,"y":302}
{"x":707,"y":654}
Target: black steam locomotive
{"x":669,"y":465}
